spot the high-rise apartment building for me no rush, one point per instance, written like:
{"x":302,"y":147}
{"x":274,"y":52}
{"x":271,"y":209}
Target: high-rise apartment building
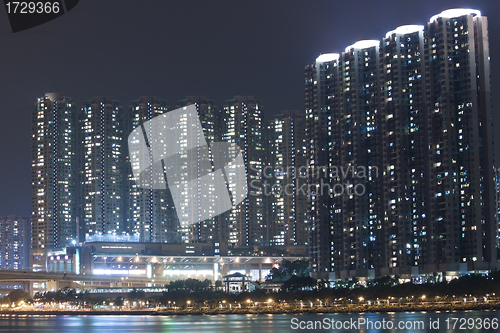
{"x":400,"y":153}
{"x":94,"y":196}
{"x":241,"y":124}
{"x":207,"y":230}
{"x":101,"y":168}
{"x":53,"y":176}
{"x":150,"y":212}
{"x":15,"y":242}
{"x":284,"y":177}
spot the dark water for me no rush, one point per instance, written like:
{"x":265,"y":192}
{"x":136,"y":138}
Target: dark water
{"x":467,"y":321}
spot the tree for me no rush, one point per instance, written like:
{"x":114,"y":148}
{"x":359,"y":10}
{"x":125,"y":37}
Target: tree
{"x":119,"y":301}
{"x":176,"y":285}
{"x":287,"y":269}
{"x":206,"y":284}
{"x":191,"y":284}
{"x":299,"y":283}
{"x":382,"y":281}
{"x":135,"y":294}
{"x":84,"y":297}
{"x":19,"y":295}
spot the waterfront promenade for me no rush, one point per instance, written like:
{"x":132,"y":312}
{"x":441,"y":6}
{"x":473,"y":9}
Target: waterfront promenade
{"x":271,"y":309}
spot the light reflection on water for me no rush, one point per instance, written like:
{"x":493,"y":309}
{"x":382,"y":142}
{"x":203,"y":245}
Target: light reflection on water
{"x":223,"y":323}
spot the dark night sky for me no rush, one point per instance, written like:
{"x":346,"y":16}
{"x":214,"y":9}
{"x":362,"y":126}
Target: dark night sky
{"x":170,"y":48}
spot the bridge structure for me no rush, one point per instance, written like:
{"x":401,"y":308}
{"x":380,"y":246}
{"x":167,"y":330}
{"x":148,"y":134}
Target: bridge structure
{"x":33,"y":282}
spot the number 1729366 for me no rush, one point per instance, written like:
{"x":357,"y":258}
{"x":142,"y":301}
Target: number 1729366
{"x":471,"y":323}
{"x":39,"y":7}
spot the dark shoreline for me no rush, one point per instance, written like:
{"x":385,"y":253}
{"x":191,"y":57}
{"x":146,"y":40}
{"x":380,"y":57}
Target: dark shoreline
{"x":277,"y":310}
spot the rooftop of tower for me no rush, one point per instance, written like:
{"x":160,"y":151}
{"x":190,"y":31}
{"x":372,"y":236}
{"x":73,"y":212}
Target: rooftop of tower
{"x":363,"y":44}
{"x":404,"y":29}
{"x":456,"y":12}
{"x":401,"y":30}
{"x":326,"y":57}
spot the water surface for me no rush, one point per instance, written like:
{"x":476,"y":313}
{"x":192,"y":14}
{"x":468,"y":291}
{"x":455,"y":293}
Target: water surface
{"x":260,"y":323}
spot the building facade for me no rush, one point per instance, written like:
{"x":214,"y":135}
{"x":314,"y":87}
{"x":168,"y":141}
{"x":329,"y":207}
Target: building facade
{"x":241,"y":123}
{"x":101,"y":168}
{"x":147,"y":263}
{"x":15,"y":240}
{"x":94,"y":197}
{"x":208,"y":113}
{"x":150,"y":212}
{"x":53,"y":175}
{"x":400,"y":153}
{"x":284,"y":177}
